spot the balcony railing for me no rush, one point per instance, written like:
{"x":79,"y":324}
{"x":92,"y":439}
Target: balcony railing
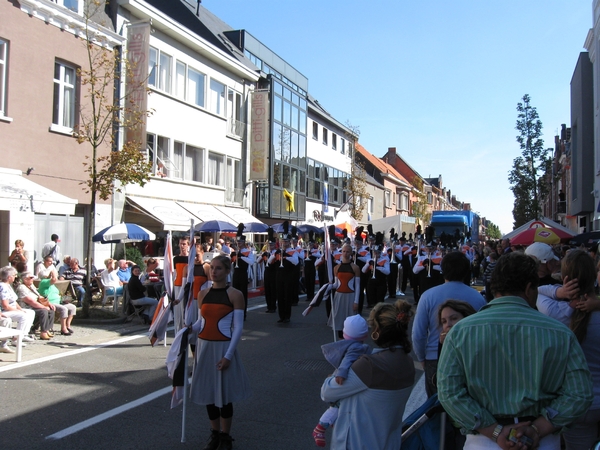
{"x":236,"y":127}
{"x":234,"y":196}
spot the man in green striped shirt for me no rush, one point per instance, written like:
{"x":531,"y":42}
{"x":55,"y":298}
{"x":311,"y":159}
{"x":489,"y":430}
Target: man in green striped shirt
{"x":510,"y":362}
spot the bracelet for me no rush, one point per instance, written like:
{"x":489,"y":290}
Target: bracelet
{"x":536,"y":430}
{"x":497,"y":432}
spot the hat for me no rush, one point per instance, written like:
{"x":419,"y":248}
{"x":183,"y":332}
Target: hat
{"x":239,"y":236}
{"x":271,"y":239}
{"x":356,"y":328}
{"x":286,"y":236}
{"x":542,"y":252}
{"x":358,"y":237}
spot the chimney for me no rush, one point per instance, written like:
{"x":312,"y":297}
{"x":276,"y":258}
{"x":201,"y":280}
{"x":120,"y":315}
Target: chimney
{"x":391,"y":155}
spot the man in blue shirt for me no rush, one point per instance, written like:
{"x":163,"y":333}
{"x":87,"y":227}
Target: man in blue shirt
{"x":456,"y":268}
{"x":124,"y":272}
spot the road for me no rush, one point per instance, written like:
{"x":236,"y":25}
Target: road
{"x":105,"y":387}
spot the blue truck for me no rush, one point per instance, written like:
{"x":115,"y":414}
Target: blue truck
{"x":458,"y":226}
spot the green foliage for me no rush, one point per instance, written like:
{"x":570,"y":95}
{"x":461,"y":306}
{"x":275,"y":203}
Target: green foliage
{"x":357,"y":183}
{"x":130,"y":254}
{"x":526,"y":177}
{"x":420,"y":210}
{"x":493,"y":231}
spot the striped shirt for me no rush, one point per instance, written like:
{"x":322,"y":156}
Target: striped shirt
{"x":509,"y":360}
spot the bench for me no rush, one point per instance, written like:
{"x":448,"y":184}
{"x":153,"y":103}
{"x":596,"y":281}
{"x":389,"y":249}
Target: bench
{"x":11,"y":333}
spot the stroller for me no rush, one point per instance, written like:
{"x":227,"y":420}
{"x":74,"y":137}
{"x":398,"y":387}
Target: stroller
{"x":423,"y":429}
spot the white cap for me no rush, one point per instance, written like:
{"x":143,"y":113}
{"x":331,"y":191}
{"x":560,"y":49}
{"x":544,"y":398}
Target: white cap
{"x":542,"y":252}
{"x":356,"y":328}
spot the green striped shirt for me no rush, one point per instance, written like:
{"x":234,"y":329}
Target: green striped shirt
{"x":509,"y":360}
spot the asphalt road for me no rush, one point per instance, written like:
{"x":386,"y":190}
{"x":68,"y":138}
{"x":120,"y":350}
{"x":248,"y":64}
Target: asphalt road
{"x":105,"y":387}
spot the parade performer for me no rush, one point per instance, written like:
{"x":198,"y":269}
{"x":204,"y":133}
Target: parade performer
{"x":219,"y":379}
{"x":244,"y":257}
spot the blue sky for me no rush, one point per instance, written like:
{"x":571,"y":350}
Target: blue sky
{"x":439,"y":80}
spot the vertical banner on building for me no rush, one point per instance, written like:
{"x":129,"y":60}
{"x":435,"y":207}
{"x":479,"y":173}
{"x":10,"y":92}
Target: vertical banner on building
{"x":325,"y":197}
{"x":136,"y":97}
{"x":259,"y":136}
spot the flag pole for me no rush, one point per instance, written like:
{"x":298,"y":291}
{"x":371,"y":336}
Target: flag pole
{"x":185,"y":352}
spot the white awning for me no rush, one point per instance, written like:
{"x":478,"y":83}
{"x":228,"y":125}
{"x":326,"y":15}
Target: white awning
{"x":238,"y":215}
{"x":168,"y":212}
{"x":205,"y":212}
{"x":18,"y":193}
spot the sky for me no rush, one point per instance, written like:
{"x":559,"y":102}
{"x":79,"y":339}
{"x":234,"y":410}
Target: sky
{"x":439,"y":80}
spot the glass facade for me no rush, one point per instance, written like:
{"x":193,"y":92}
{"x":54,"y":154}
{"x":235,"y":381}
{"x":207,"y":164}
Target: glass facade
{"x":288,"y":154}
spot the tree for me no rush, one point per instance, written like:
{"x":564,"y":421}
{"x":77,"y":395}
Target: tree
{"x":420,"y":210}
{"x":493,"y":232}
{"x":526,"y":177}
{"x":103,"y":114}
{"x":357,"y":183}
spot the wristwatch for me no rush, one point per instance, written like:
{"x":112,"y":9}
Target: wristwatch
{"x":497,"y":432}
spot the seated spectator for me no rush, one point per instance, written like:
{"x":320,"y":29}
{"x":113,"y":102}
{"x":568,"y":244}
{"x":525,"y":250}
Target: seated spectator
{"x":10,"y":307}
{"x":31,"y":299}
{"x":149,"y":275}
{"x":66,"y":265}
{"x":110,"y":279}
{"x":76,"y":275}
{"x":6,"y":323}
{"x":137,"y":293}
{"x":124,"y":272}
{"x":18,"y":254}
{"x":47,"y":269}
{"x":65,"y":311}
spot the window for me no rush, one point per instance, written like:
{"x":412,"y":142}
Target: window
{"x":215,"y":169}
{"x":164,"y":72}
{"x":194,"y":164}
{"x":315,"y":131}
{"x":388,"y":199}
{"x":180,"y":70}
{"x":342,"y":146}
{"x":234,"y":113}
{"x":234,"y":190}
{"x":217,"y":97}
{"x":325,"y":136}
{"x":429,"y":198}
{"x":73,"y":5}
{"x":333,"y":141}
{"x":3,"y":76}
{"x":195,"y":88}
{"x":63,"y":115}
{"x":160,"y":70}
{"x":370,"y":205}
{"x":403,"y":202}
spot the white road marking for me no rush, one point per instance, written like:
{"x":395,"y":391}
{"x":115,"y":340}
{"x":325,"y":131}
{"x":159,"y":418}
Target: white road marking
{"x":71,"y":353}
{"x":109,"y":414}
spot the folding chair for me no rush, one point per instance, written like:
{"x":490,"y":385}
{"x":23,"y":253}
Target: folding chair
{"x":132,"y":310}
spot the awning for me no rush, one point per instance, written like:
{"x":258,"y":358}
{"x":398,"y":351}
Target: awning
{"x":204,"y":212}
{"x":18,"y":193}
{"x":238,"y":215}
{"x":168,"y":212}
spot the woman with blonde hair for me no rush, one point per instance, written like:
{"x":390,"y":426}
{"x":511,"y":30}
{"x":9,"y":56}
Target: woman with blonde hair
{"x":373,"y":397}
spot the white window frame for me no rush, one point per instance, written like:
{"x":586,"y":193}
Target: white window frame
{"x":73,"y":5}
{"x":215,"y":166}
{"x":216,"y":101}
{"x":3,"y":76}
{"x":61,"y":86}
{"x":198,"y":101}
{"x":325,"y":139}
{"x":388,"y":199}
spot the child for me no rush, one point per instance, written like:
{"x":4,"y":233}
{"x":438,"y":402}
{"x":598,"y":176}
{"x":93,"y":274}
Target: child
{"x":342,"y":354}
